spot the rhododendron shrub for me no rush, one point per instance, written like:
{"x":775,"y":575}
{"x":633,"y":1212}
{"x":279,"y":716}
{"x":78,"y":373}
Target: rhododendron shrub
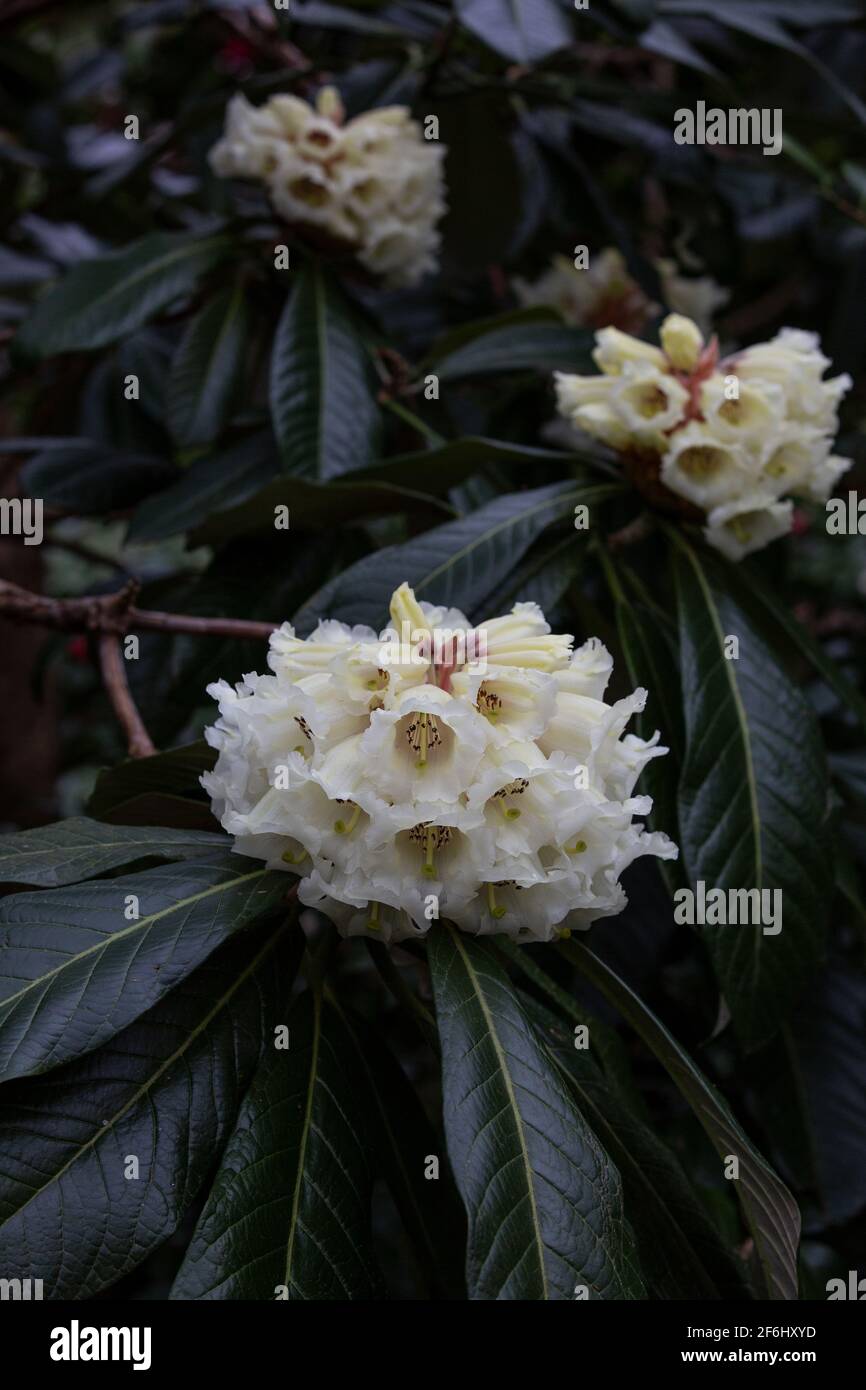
{"x":434,"y":749}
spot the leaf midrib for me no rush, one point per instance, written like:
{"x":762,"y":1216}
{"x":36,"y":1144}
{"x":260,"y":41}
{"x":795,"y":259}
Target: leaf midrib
{"x":234,"y":305}
{"x":194,"y":248}
{"x":140,"y":925}
{"x":152,"y":1080}
{"x":322,"y":376}
{"x":91,"y":848}
{"x":494,"y":530}
{"x":509,"y":1087}
{"x":739,"y":708}
{"x":305,"y":1133}
{"x":767,"y":1190}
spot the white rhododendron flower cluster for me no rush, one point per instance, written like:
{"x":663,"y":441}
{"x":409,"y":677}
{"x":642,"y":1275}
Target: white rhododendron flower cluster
{"x":734,"y":439}
{"x":605,"y":294}
{"x":373,"y":184}
{"x":406,"y":778}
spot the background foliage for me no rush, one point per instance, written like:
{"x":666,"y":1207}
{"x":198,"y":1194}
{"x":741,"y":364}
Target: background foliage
{"x":305,"y":387}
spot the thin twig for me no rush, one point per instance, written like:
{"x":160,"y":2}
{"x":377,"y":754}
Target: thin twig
{"x":207,"y":627}
{"x":112,"y":616}
{"x":115,"y":613}
{"x":117,"y":688}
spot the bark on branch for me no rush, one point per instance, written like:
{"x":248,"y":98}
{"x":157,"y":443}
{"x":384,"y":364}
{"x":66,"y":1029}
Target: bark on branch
{"x":111,"y":616}
{"x":115,"y":613}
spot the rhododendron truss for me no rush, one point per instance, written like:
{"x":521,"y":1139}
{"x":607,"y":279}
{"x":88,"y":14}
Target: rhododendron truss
{"x":371,"y":186}
{"x":727,"y":442}
{"x":495,"y":792}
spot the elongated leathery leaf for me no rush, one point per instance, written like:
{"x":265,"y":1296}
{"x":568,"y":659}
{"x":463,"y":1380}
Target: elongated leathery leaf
{"x":100,"y":1158}
{"x":79,"y":848}
{"x":77,"y":964}
{"x":752,"y":802}
{"x":543,"y":1199}
{"x":289,"y":1212}
{"x":768,"y":1207}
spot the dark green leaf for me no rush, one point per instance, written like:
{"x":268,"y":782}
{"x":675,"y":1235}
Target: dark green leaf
{"x":321,"y":386}
{"x":102,"y":300}
{"x":75,"y":849}
{"x":663,"y":38}
{"x":441,"y":468}
{"x":315,"y":505}
{"x":403,"y":1139}
{"x":74,"y":969}
{"x":160,"y":808}
{"x":827,"y":1055}
{"x":89,"y":477}
{"x":177,"y":771}
{"x":289,"y":1212}
{"x":536,"y":345}
{"x":811,"y":650}
{"x":752,"y":800}
{"x":651,"y":665}
{"x":165,"y":1091}
{"x":680,"y":1249}
{"x":543,"y":577}
{"x":459,"y":564}
{"x":523,"y":33}
{"x":206,"y":372}
{"x":760,"y":22}
{"x":543,"y":1199}
{"x":768,"y":1208}
{"x":237,"y":492}
{"x":617,"y":123}
{"x":213,"y":484}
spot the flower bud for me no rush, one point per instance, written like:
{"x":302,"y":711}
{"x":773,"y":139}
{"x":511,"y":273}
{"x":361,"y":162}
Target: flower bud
{"x":682,"y":341}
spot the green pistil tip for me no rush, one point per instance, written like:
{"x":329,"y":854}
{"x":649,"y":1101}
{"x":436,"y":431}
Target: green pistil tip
{"x":564,"y":934}
{"x":343,"y":827}
{"x":494,"y":908}
{"x":578,"y":847}
{"x":512,"y":813}
{"x":429,"y":871}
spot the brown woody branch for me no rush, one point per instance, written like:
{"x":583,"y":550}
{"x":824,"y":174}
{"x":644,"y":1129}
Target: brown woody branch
{"x":116,"y":613}
{"x":117,"y":688}
{"x":112,"y":616}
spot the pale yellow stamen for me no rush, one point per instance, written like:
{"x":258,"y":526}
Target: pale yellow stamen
{"x":423,"y":734}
